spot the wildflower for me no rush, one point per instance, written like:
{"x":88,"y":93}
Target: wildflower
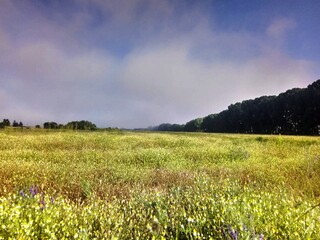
{"x":33,"y":190}
{"x":233,"y":233}
{"x":223,"y":232}
{"x":261,"y":237}
{"x":52,"y":200}
{"x":22,"y":193}
{"x":42,"y":202}
{"x":190,"y":220}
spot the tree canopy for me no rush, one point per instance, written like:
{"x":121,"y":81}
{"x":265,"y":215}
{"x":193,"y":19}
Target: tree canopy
{"x":81,"y":125}
{"x":6,"y":123}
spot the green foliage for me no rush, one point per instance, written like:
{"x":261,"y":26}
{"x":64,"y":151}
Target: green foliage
{"x":74,"y":125}
{"x":5,"y":123}
{"x":193,"y":125}
{"x":81,"y":125}
{"x":169,"y":127}
{"x":50,"y":125}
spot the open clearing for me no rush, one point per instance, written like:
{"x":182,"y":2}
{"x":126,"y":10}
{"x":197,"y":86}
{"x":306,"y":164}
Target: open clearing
{"x":109,"y":185}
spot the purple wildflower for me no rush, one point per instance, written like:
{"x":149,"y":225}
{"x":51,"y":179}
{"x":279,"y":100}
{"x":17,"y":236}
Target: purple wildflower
{"x":233,"y":233}
{"x":223,"y":232}
{"x":52,"y":200}
{"x":22,"y":193}
{"x":33,"y":190}
{"x":261,"y":237}
{"x":42,"y":204}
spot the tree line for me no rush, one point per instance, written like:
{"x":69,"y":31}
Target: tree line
{"x":75,"y":125}
{"x":294,"y":112}
{"x":7,"y":123}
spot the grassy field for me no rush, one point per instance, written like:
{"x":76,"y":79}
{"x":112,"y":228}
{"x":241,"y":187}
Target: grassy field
{"x":131,"y":185}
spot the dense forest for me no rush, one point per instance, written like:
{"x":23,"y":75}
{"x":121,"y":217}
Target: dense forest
{"x":295,"y":112}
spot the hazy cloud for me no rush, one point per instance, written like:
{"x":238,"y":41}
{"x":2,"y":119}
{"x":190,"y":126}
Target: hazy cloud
{"x":134,"y":63}
{"x":279,"y":27}
{"x":188,"y":87}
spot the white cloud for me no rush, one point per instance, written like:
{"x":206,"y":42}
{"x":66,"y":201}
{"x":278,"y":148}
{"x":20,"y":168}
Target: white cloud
{"x":46,"y":61}
{"x":279,"y":29}
{"x":183,"y":87}
{"x":176,"y":68}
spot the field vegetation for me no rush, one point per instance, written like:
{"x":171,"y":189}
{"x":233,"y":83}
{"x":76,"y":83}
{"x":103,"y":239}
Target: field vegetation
{"x":142,"y":185}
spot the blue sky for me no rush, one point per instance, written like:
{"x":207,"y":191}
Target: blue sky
{"x":137,"y":63}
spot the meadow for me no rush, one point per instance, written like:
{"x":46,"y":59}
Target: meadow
{"x":149,"y":185}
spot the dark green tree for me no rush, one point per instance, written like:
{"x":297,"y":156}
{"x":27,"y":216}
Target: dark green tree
{"x":193,"y":125}
{"x":169,"y":127}
{"x":15,"y":123}
{"x":81,"y":125}
{"x":296,"y":111}
{"x":50,"y":125}
{"x":6,"y":123}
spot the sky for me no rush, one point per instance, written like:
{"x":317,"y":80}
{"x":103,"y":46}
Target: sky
{"x":140,"y":63}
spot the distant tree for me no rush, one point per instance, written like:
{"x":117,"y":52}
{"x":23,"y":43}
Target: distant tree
{"x":169,"y":127}
{"x":6,"y":122}
{"x":194,"y":125}
{"x":53,"y":125}
{"x":81,"y":125}
{"x":20,"y":124}
{"x":50,"y":125}
{"x":37,"y":126}
{"x":177,"y":127}
{"x":296,"y":111}
{"x":207,"y":123}
{"x":164,"y":127}
{"x":15,"y":123}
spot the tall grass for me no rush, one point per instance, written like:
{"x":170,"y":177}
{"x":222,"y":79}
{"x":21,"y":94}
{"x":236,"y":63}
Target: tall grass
{"x":76,"y":163}
{"x":144,"y":185}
